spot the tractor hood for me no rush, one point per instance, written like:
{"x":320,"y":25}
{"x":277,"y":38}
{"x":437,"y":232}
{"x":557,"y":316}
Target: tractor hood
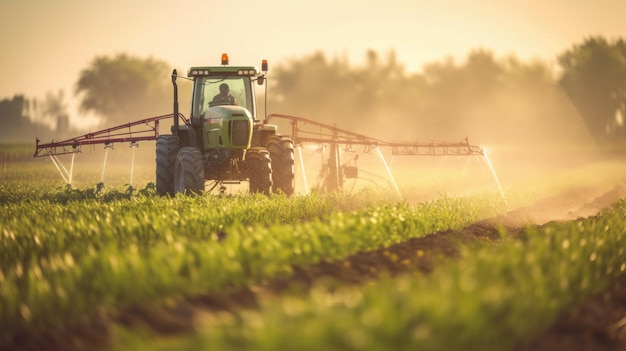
{"x":225,"y":111}
{"x":227,"y":127}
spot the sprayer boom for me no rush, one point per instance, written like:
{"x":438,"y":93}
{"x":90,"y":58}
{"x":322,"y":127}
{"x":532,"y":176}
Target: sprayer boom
{"x":304,"y":130}
{"x":141,"y":130}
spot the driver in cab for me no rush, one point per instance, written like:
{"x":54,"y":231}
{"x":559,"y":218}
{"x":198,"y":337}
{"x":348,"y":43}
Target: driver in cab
{"x":224,"y":97}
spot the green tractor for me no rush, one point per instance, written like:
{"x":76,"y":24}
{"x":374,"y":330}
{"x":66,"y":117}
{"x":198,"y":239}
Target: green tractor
{"x":223,"y":140}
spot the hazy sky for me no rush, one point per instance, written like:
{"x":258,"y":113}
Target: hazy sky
{"x":46,"y":43}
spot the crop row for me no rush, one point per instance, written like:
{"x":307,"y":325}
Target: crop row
{"x":494,"y":298}
{"x":73,"y":220}
{"x":62,"y":262}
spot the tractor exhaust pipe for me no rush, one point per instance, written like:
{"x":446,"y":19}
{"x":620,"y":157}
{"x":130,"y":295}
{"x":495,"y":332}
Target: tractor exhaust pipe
{"x":175,"y":126}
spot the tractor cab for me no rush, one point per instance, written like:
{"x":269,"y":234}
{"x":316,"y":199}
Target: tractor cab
{"x":239,"y":81}
{"x":223,"y":109}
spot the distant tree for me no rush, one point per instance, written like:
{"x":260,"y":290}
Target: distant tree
{"x":16,"y":123}
{"x":456,"y":94}
{"x":13,"y":114}
{"x":308,"y":86}
{"x":331,"y":90}
{"x":594,"y":77}
{"x":123,"y":88}
{"x":53,"y":111}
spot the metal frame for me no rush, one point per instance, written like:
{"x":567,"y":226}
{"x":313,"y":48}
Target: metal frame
{"x":119,"y":134}
{"x":330,"y":134}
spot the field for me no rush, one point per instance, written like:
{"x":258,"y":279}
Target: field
{"x":450,"y":263}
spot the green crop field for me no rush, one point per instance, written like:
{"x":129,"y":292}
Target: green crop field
{"x":102,"y":266}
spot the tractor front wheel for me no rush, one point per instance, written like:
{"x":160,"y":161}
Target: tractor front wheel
{"x":189,"y":171}
{"x":166,"y":151}
{"x":259,"y":170}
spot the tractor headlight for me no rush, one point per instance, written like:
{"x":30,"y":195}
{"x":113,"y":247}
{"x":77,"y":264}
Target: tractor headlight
{"x":246,"y":72}
{"x":199,"y":72}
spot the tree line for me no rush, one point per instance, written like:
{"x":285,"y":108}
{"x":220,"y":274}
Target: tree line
{"x":23,"y":118}
{"x":581,"y":95}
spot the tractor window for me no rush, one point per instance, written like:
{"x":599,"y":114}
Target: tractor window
{"x":206,"y":88}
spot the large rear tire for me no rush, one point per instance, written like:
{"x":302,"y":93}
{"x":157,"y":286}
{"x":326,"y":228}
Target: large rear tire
{"x":166,"y":151}
{"x":282,"y":158}
{"x":189,"y":171}
{"x":259,"y":170}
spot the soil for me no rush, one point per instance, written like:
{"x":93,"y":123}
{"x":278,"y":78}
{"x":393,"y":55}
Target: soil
{"x":599,"y":323}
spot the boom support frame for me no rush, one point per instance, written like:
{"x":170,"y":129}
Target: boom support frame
{"x":133,"y":132}
{"x":302,"y":132}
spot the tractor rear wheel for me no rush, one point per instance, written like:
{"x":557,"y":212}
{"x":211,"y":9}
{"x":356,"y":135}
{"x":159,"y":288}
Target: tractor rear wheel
{"x":189,"y":171}
{"x":282,"y":157}
{"x":259,"y":170}
{"x":166,"y":151}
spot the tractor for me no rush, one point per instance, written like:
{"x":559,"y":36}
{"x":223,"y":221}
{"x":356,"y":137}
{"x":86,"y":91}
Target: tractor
{"x":223,"y":140}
